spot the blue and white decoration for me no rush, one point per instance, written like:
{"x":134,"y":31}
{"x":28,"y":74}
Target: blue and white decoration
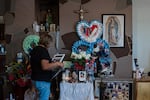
{"x":90,"y":35}
{"x":89,"y":32}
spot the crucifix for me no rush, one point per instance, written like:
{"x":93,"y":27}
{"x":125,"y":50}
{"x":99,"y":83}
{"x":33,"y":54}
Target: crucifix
{"x":81,"y":12}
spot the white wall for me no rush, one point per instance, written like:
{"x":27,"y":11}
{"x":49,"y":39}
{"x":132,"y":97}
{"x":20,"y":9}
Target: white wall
{"x":141,"y":33}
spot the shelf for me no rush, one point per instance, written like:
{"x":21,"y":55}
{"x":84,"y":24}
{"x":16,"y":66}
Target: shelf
{"x":41,"y":8}
{"x":146,"y":79}
{"x":110,"y":79}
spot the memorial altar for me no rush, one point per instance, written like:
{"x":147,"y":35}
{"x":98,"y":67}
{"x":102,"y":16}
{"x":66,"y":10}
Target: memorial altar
{"x":90,"y":58}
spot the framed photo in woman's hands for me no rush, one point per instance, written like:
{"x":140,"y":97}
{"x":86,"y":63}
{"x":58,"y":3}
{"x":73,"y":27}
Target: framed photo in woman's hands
{"x":114,"y":29}
{"x":58,"y":57}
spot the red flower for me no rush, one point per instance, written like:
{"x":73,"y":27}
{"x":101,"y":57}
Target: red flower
{"x":18,"y":73}
{"x":21,"y":82}
{"x":11,"y":77}
{"x":78,"y":66}
{"x":21,"y":72}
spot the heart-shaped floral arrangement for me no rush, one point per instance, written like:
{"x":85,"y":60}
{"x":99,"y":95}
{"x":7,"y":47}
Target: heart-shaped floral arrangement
{"x":89,"y":32}
{"x":91,"y":52}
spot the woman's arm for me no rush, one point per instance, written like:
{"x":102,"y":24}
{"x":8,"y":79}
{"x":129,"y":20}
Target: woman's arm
{"x":50,"y":66}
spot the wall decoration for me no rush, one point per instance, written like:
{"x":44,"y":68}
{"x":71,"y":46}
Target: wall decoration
{"x":114,"y":29}
{"x":89,"y":32}
{"x":81,"y":12}
{"x":91,"y":50}
{"x":29,"y":42}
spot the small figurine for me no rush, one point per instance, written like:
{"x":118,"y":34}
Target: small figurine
{"x":48,"y":20}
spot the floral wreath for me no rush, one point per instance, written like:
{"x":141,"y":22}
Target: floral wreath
{"x":102,"y":45}
{"x":75,"y":46}
{"x":90,"y":37}
{"x":29,"y":42}
{"x":89,"y":32}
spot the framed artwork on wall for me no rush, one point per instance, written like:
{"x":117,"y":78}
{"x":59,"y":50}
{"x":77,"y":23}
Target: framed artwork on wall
{"x":114,"y":29}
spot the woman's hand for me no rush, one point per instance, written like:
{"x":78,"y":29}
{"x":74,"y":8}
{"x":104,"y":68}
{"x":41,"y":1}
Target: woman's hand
{"x":59,"y":64}
{"x":50,"y":66}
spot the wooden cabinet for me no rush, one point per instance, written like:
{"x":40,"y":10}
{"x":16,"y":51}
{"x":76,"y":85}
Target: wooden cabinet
{"x":143,"y":89}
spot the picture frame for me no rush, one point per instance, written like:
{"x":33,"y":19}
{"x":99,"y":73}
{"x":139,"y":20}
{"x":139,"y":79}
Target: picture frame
{"x":82,"y":76}
{"x":114,"y":29}
{"x":58,"y":57}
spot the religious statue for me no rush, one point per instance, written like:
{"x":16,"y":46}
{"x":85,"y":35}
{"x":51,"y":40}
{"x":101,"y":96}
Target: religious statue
{"x":81,"y":13}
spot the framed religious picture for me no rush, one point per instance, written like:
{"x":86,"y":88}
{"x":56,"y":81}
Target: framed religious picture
{"x":114,"y":29}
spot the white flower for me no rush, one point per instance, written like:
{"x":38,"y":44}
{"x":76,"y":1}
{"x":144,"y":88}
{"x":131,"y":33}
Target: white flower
{"x":74,"y":55}
{"x":88,"y":56}
{"x":81,"y":55}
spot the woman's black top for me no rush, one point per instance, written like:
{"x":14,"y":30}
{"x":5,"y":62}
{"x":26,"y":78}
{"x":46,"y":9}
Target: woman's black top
{"x":36,"y":55}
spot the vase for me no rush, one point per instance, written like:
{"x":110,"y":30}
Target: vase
{"x":19,"y":92}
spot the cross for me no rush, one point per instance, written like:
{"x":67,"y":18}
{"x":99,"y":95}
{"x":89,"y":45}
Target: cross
{"x":81,"y":12}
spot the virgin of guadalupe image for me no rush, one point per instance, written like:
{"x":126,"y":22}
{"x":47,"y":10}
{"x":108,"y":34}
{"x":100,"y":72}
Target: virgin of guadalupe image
{"x":113,"y":30}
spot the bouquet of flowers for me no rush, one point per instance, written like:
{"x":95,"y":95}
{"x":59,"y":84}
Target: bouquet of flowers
{"x":79,"y":60}
{"x":19,"y":74}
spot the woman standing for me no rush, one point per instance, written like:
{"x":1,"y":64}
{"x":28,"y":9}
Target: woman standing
{"x":42,"y":66}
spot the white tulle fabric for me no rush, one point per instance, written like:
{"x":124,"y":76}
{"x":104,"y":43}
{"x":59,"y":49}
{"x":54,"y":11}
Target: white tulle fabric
{"x":76,"y":91}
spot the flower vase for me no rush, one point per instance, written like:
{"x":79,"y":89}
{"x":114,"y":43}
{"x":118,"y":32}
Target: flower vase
{"x":19,"y":92}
